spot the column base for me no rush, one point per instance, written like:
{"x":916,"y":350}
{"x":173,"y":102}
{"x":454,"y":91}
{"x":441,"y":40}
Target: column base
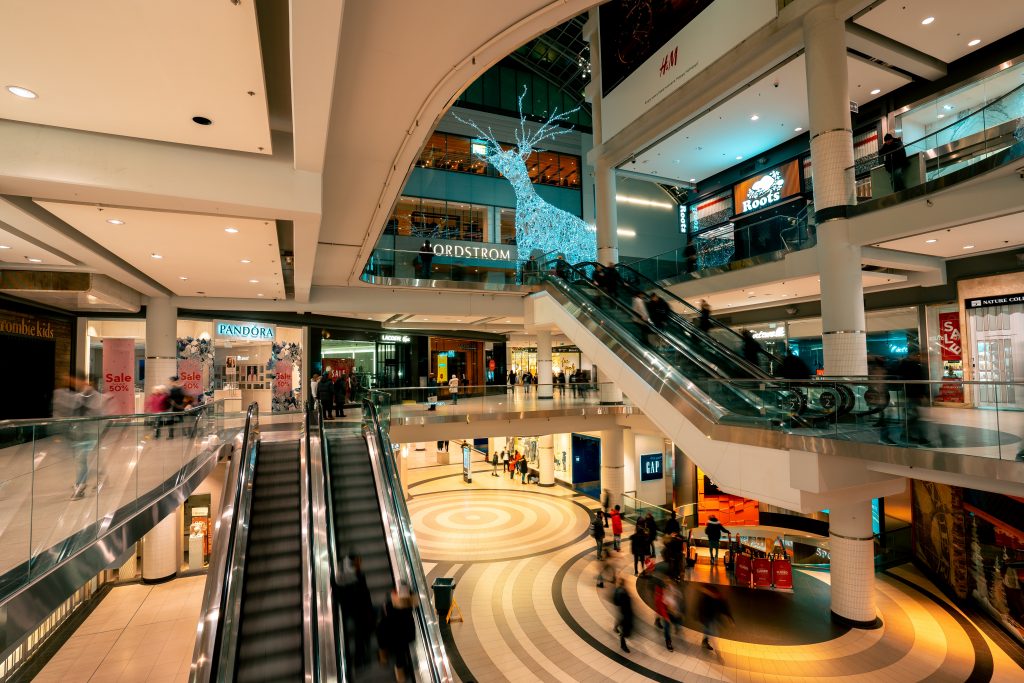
{"x":853,"y":623}
{"x":163,"y":579}
{"x":610,"y":403}
{"x":545,"y":397}
{"x":545,"y":485}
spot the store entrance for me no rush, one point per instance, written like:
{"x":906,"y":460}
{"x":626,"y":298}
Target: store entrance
{"x":30,"y":385}
{"x":995,"y":360}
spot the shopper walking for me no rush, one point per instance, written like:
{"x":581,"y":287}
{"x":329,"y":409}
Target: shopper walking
{"x":606,"y":501}
{"x":177,"y":401}
{"x":624,"y":626}
{"x":667,"y":602}
{"x":514,"y":466}
{"x":597,"y":531}
{"x":527,"y":381}
{"x":616,"y":529}
{"x":672,"y":523}
{"x":504,"y":461}
{"x":432,"y":392}
{"x":714,"y":530}
{"x":911,"y":371}
{"x":524,"y":469}
{"x":651,"y":532}
{"x":84,"y":434}
{"x":712,"y":609}
{"x":494,"y":462}
{"x":426,"y":259}
{"x":638,"y":546}
{"x":453,"y":389}
{"x":340,"y":391}
{"x":325,"y":394}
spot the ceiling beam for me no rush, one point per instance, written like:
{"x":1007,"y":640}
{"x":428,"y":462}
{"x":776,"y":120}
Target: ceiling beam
{"x":893,"y":53}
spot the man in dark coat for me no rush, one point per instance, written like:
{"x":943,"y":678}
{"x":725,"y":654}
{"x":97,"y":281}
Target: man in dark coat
{"x":624,"y":603}
{"x":340,"y":389}
{"x":325,"y":394}
{"x":894,"y":158}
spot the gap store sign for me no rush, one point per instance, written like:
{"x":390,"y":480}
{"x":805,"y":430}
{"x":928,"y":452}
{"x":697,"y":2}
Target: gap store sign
{"x":227,"y":329}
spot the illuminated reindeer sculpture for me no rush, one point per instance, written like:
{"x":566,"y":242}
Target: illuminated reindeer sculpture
{"x":539,"y":225}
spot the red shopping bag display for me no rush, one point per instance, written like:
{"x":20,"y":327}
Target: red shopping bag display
{"x":762,"y":567}
{"x":782,"y":574}
{"x":742,"y":570}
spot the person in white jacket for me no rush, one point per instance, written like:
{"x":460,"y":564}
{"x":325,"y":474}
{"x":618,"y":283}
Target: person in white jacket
{"x":453,"y":389}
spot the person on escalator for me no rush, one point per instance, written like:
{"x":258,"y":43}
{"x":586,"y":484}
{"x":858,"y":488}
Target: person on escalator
{"x":397,"y":630}
{"x":705,"y":316}
{"x":657,"y":311}
{"x":607,"y":280}
{"x":793,"y":367}
{"x":562,"y":268}
{"x":357,"y":608}
{"x":751,"y":349}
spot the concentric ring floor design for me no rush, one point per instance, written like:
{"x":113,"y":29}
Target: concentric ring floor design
{"x":526,"y":584}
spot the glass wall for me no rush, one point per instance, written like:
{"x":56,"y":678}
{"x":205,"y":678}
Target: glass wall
{"x":451,"y":152}
{"x":439,"y":219}
{"x":499,"y":89}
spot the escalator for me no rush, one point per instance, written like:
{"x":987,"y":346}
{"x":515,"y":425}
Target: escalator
{"x":270,"y":626}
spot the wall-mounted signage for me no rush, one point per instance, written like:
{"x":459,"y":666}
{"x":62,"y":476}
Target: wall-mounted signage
{"x":496,"y":253}
{"x":651,"y":467}
{"x":768,"y":188}
{"x":225,"y":329}
{"x":27,"y":327}
{"x":1001,"y":300}
{"x":949,"y":336}
{"x":777,"y":333}
{"x":395,"y":338}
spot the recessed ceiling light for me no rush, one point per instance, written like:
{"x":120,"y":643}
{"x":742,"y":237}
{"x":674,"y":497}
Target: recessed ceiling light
{"x":968,"y":246}
{"x":755,"y":117}
{"x":738,"y":157}
{"x":4,"y":246}
{"x":876,"y":91}
{"x":182,"y":277}
{"x":254,"y":282}
{"x":927,"y":20}
{"x":941,"y":116}
{"x":115,"y":221}
{"x":974,"y":42}
{"x":693,"y":180}
{"x":24,"y":93}
{"x":231,"y":230}
{"x":33,"y":260}
{"x":260,"y":294}
{"x":931,"y":241}
{"x":798,"y":129}
{"x":156,"y":256}
{"x":245,"y":260}
{"x":202,"y":120}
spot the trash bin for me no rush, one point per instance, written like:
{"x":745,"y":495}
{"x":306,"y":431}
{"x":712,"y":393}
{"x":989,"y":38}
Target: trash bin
{"x":443,"y":589}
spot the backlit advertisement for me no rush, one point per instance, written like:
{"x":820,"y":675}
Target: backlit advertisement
{"x":768,"y":188}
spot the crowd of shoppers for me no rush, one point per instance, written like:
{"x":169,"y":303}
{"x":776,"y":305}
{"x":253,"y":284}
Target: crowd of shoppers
{"x":332,"y":393}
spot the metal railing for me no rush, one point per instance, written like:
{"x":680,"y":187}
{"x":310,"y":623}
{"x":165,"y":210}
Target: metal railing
{"x":430,"y":660}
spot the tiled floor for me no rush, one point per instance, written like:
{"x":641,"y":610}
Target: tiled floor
{"x":525,"y":572}
{"x":137,"y":633}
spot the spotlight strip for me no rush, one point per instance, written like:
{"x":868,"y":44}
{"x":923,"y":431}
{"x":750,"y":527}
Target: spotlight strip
{"x":640,"y":201}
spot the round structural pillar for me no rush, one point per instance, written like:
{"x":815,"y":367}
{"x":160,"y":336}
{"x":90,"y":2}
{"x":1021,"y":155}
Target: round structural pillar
{"x":852,"y":549}
{"x":613,"y":471}
{"x":844,"y":339}
{"x":546,"y":459}
{"x":544,"y":386}
{"x":607,"y":217}
{"x":609,"y":392}
{"x":161,"y":341}
{"x":160,"y":551}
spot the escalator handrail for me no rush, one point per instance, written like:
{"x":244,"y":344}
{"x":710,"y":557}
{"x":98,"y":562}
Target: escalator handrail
{"x":668,"y":295}
{"x":430,"y":658}
{"x":325,"y":661}
{"x":214,"y":655}
{"x":49,"y":421}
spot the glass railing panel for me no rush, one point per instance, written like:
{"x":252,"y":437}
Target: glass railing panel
{"x":19,"y":452}
{"x":490,"y":269}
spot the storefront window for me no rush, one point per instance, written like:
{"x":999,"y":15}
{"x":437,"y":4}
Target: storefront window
{"x":439,"y":219}
{"x":566,"y":359}
{"x":945,"y":352}
{"x":198,"y":531}
{"x":356,"y":360}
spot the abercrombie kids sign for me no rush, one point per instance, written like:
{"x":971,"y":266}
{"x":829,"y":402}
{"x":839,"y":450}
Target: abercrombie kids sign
{"x":226,"y":329}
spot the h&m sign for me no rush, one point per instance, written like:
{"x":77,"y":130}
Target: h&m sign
{"x":248,"y":331}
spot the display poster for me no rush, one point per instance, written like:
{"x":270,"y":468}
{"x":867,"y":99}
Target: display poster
{"x":741,"y":570}
{"x":949,"y":336}
{"x":768,"y":188}
{"x":336,"y":367}
{"x":939,"y":538}
{"x":467,"y":472}
{"x":782,"y":574}
{"x":762,"y":570}
{"x":951,"y":391}
{"x":119,"y":376}
{"x":190,"y":374}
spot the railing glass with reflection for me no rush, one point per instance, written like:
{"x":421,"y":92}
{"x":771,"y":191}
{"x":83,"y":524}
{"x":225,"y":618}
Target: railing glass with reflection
{"x":67,"y":482}
{"x":430,"y":660}
{"x":974,"y":143}
{"x":406,"y":264}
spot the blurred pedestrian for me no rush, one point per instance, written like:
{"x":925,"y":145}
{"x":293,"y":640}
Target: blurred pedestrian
{"x":712,"y":609}
{"x":83,"y":434}
{"x":622,"y":600}
{"x":616,"y":529}
{"x":357,"y":608}
{"x":705,"y":316}
{"x":638,"y":546}
{"x":597,"y":531}
{"x":397,"y":630}
{"x":714,"y":530}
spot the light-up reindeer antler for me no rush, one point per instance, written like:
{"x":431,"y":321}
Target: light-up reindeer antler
{"x":487,"y":135}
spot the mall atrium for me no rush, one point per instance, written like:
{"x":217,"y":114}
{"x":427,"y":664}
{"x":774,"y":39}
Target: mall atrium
{"x":538,"y":340}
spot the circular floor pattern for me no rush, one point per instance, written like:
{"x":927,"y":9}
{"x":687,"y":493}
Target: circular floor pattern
{"x":489,"y":525}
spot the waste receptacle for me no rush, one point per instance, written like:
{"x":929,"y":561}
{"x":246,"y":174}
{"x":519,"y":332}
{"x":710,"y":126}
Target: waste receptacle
{"x":443,"y":589}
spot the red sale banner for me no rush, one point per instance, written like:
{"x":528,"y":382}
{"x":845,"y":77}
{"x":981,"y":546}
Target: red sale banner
{"x":762,"y":572}
{"x":782,"y":574}
{"x":282,"y":379}
{"x":742,"y":570}
{"x":119,"y":376}
{"x":949,"y":336}
{"x":190,"y":372}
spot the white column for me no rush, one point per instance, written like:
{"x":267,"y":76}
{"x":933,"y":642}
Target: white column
{"x":612,"y":465}
{"x":852,"y":563}
{"x":160,"y":551}
{"x":544,"y":388}
{"x":607,"y":218}
{"x":609,"y":392}
{"x":546,"y":459}
{"x":839,"y":261}
{"x":161,"y":341}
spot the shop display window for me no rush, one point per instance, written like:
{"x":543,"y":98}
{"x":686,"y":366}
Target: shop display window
{"x":198,"y":531}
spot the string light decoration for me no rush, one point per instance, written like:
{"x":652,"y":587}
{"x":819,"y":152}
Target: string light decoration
{"x":540,"y":227}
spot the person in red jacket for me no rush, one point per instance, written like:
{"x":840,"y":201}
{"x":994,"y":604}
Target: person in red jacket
{"x":616,"y":518}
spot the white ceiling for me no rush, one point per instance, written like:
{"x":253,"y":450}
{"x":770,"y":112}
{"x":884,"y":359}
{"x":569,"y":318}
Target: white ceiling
{"x":994,"y":234}
{"x":140,"y":69}
{"x":713,"y":142}
{"x":782,"y":291}
{"x":956,"y":24}
{"x":195,"y":246}
{"x":16,"y":251}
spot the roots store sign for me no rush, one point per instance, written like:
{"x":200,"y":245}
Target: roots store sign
{"x":767,"y":189}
